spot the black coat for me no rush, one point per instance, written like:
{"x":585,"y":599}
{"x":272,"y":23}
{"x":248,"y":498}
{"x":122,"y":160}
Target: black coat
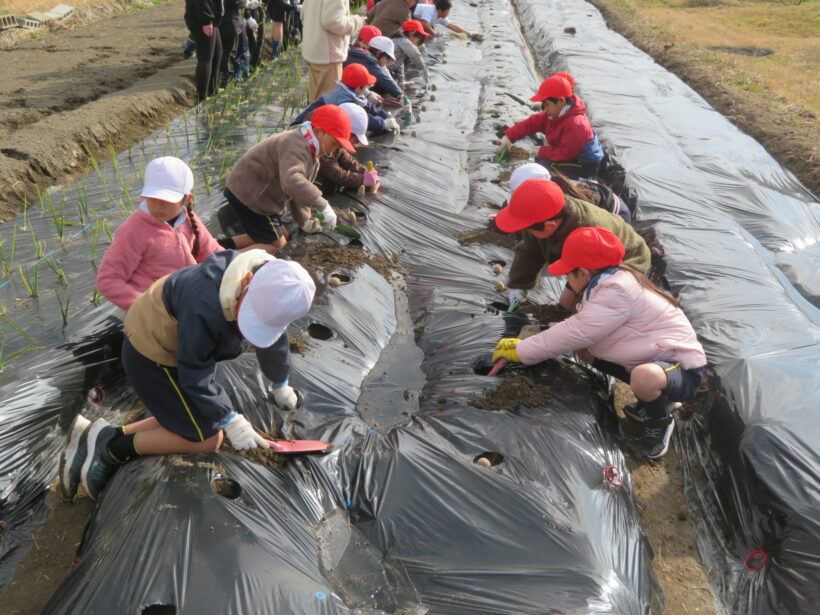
{"x":200,"y":13}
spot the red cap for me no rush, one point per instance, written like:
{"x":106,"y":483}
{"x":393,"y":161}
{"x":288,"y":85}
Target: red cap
{"x":335,"y":122}
{"x":566,"y":76}
{"x":536,"y":200}
{"x":356,"y":75}
{"x":414,"y":25}
{"x":591,"y":247}
{"x":368,"y":32}
{"x":553,"y":87}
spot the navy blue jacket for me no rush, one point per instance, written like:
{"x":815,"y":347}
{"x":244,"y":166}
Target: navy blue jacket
{"x":383,"y":79}
{"x":343,"y":94}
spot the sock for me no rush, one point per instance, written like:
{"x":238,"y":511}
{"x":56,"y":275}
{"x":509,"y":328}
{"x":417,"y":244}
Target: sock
{"x":656,"y":408}
{"x":123,"y":448}
{"x":227,"y":242}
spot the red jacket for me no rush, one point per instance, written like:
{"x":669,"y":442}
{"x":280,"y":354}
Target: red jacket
{"x":566,"y":135}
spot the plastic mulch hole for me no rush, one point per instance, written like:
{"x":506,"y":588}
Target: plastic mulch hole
{"x":4,"y":525}
{"x":226,"y":487}
{"x":96,"y":395}
{"x":482,"y":366}
{"x":319,"y":332}
{"x":685,"y":412}
{"x":755,"y":560}
{"x":355,"y":243}
{"x":497,"y":306}
{"x":614,"y":475}
{"x":499,"y":263}
{"x":360,"y":216}
{"x":159,"y":609}
{"x":489,"y":459}
{"x":343,"y":277}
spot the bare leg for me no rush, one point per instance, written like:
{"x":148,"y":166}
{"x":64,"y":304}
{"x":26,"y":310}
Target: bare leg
{"x":140,"y":426}
{"x":648,"y":381}
{"x":160,"y":441}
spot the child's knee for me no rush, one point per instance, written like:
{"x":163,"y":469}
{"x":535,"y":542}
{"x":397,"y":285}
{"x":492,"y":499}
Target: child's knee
{"x":212,"y":444}
{"x":277,"y":245}
{"x":647,"y":381}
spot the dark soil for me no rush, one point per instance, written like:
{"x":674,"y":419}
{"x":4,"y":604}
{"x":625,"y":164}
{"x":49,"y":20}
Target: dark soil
{"x":545,"y":314}
{"x":297,"y":344}
{"x":328,"y":260}
{"x":513,"y":392}
{"x":483,"y":235}
{"x":518,"y":153}
{"x":265,"y":457}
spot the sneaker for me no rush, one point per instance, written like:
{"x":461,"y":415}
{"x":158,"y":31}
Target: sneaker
{"x":189,"y":49}
{"x":72,"y":458}
{"x":635,"y":411}
{"x":656,"y":436}
{"x":98,"y":466}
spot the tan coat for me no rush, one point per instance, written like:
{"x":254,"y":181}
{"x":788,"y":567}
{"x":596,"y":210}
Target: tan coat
{"x":388,"y":16}
{"x":326,"y":31}
{"x":276,"y":172}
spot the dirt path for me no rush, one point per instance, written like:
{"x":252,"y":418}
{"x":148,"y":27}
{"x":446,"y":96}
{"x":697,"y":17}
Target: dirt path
{"x":107,"y":83}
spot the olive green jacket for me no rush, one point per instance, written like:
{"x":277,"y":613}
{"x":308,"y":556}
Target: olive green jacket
{"x":531,"y":253}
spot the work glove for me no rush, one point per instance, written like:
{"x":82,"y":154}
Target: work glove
{"x":285,"y":396}
{"x":371,"y":179}
{"x":251,"y":23}
{"x":241,"y":434}
{"x":505,"y":142}
{"x":254,"y":4}
{"x":407,"y":104}
{"x":461,"y":35}
{"x":313,"y":225}
{"x":330,"y":218}
{"x":518,"y":294}
{"x":505,"y":349}
{"x":392,"y":125}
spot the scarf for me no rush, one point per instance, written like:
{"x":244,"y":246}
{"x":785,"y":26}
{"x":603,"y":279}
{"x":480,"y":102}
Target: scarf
{"x":230,"y":286}
{"x":307,"y":133}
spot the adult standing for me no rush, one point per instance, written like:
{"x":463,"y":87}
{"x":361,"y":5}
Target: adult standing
{"x":389,"y":15}
{"x":202,"y":18}
{"x":230,"y":29}
{"x":328,"y":26}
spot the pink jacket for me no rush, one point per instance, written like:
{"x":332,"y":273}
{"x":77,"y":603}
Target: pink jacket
{"x":144,"y":250}
{"x":623,"y":323}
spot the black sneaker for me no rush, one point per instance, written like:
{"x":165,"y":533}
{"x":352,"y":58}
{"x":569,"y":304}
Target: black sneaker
{"x":656,"y":436}
{"x":72,"y":458}
{"x":98,"y":466}
{"x":189,"y":49}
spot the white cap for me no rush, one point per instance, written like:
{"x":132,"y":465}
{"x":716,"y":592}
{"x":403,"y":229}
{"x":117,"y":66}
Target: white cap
{"x":280,"y":292}
{"x":531,"y":170}
{"x":382,"y":43}
{"x":358,"y":121}
{"x":167,"y":179}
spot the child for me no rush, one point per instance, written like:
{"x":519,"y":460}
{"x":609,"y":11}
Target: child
{"x":388,"y":15}
{"x":572,"y":146}
{"x":163,"y":235}
{"x":340,"y":169}
{"x":279,"y":172}
{"x":625,"y":327}
{"x":365,"y":35}
{"x":353,"y":88}
{"x":175,"y":334}
{"x":431,"y":14}
{"x":594,"y":192}
{"x":407,"y":51}
{"x":547,"y":216}
{"x":379,"y":52}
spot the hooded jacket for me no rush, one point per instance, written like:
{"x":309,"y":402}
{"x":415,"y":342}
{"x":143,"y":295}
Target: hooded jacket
{"x":383,"y":79}
{"x":144,"y":250}
{"x":326,"y":31}
{"x":621,"y":322}
{"x":388,"y":16}
{"x":342,"y":169}
{"x":179,"y":322}
{"x":569,"y":136}
{"x":343,"y":94}
{"x":277,"y":172}
{"x":532,"y":254}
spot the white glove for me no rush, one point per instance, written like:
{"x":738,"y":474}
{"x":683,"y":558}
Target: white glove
{"x":241,"y":434}
{"x":251,"y":23}
{"x":330,"y":216}
{"x":313,"y":225}
{"x":505,"y":142}
{"x":254,"y":4}
{"x":516,"y":293}
{"x":392,"y":125}
{"x":285,"y":397}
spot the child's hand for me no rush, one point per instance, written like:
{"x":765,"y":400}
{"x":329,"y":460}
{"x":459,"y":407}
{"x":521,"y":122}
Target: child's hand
{"x":506,"y":349}
{"x":312,"y":226}
{"x":242,"y":435}
{"x":392,"y":125}
{"x":505,"y":142}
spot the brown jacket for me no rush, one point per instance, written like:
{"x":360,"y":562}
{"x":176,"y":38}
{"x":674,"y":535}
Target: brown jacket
{"x":388,"y":16}
{"x":276,"y":172}
{"x":342,"y":169}
{"x":151,"y":330}
{"x":531,"y":253}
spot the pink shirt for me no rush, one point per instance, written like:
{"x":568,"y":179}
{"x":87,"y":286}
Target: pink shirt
{"x":623,"y":323}
{"x":144,"y":250}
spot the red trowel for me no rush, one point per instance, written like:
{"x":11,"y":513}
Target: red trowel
{"x":296,"y":447}
{"x":526,"y":331}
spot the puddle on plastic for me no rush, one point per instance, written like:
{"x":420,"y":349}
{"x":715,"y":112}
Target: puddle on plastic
{"x":360,"y":575}
{"x":390,"y":392}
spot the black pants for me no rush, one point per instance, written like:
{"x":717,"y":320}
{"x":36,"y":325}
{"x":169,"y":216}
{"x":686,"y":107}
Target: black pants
{"x":208,"y":54}
{"x":229,"y":29}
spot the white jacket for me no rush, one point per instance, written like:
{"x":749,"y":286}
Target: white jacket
{"x":327,"y":28}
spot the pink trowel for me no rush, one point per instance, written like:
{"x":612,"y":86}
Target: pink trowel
{"x":295,"y":447}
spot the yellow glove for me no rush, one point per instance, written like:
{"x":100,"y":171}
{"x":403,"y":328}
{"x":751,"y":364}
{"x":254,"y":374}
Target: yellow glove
{"x":505,"y":349}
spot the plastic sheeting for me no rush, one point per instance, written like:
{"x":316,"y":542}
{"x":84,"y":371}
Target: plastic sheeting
{"x":739,"y":237}
{"x":397,"y":518}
